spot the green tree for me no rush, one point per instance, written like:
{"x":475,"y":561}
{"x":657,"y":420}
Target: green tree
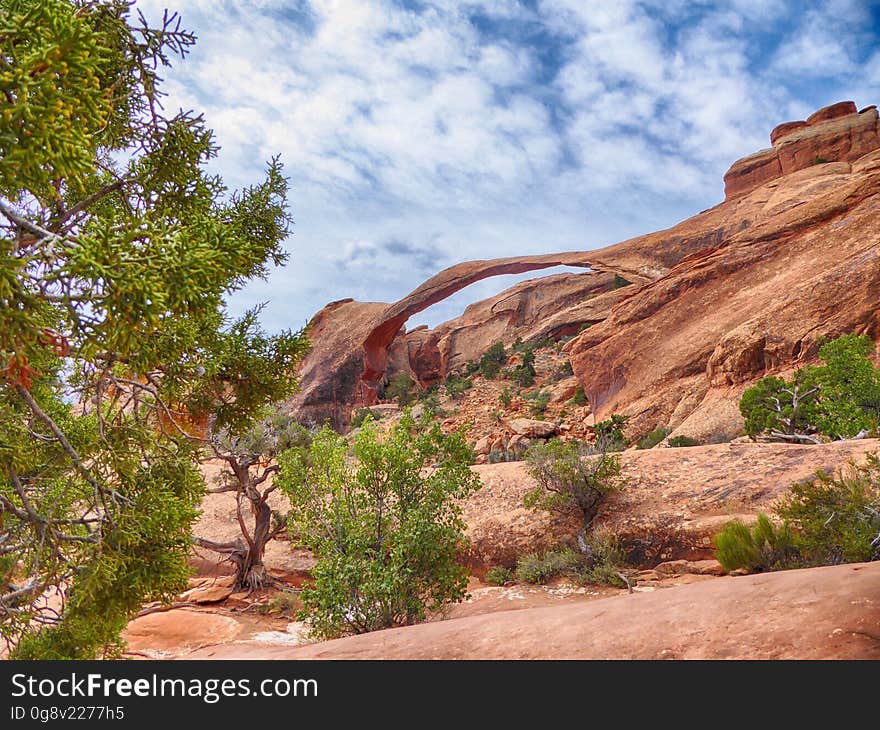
{"x":492,"y":361}
{"x":839,"y":399}
{"x":572,"y":476}
{"x":849,"y":386}
{"x":401,"y":388}
{"x":783,"y":408}
{"x":384,"y":522}
{"x":116,"y":356}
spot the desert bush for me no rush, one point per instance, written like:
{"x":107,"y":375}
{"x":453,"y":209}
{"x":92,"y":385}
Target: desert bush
{"x":579,"y":398}
{"x":385,"y":528}
{"x":620,"y":282}
{"x":563,"y":371}
{"x":568,"y":480}
{"x":600,"y":564}
{"x":524,"y":373}
{"x":499,"y":576}
{"x":538,"y":402}
{"x":456,"y":385}
{"x":361,"y":415}
{"x":721,"y":437}
{"x":678,"y":442}
{"x":498,"y":456}
{"x":287,"y":603}
{"x":761,"y":547}
{"x":492,"y":361}
{"x":609,"y":433}
{"x":505,"y":398}
{"x":401,"y":388}
{"x":539,"y":568}
{"x":652,"y":438}
{"x":836,"y":519}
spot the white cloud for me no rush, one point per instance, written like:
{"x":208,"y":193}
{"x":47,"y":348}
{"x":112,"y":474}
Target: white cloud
{"x":558,"y":126}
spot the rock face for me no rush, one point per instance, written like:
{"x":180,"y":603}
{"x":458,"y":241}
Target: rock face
{"x":745,"y":288}
{"x":836,"y":133}
{"x":803,"y":266}
{"x":818,"y":613}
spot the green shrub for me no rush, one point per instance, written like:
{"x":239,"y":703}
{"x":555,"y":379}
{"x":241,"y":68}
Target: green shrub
{"x":568,"y":480}
{"x":539,"y":400}
{"x":682,"y":441}
{"x":652,"y":438}
{"x":600,"y":564}
{"x":609,"y":433}
{"x":471,"y":368}
{"x":606,"y":562}
{"x":563,"y":371}
{"x":579,"y":398}
{"x":401,"y":388}
{"x":456,"y":385}
{"x":492,"y":361}
{"x":838,"y":399}
{"x":361,"y":415}
{"x":287,"y":603}
{"x":495,"y":417}
{"x":505,"y":398}
{"x":761,"y":547}
{"x":620,"y":282}
{"x":539,"y":568}
{"x":524,"y":373}
{"x":386,"y":529}
{"x":498,"y":456}
{"x":836,"y":519}
{"x":499,"y":576}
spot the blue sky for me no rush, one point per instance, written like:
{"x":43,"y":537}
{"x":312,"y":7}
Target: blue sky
{"x":418,"y":134}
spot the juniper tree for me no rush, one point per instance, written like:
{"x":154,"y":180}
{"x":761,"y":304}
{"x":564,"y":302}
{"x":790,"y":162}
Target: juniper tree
{"x":117,"y":357}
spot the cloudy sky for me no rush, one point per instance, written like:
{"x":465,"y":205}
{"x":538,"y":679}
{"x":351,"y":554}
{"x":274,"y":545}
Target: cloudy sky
{"x":420,"y":134}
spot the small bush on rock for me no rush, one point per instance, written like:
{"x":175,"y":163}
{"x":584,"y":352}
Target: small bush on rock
{"x":651,"y":439}
{"x":401,"y":388}
{"x":492,"y":361}
{"x":609,"y":433}
{"x":836,"y":518}
{"x":579,"y":398}
{"x":677,"y":442}
{"x":759,"y":548}
{"x":499,"y":576}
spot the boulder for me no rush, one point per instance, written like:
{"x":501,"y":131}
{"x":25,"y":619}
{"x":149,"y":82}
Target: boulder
{"x":531,"y":428}
{"x":483,"y":446}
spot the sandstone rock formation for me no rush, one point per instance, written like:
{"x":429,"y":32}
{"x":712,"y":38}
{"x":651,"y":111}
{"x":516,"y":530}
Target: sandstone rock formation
{"x":836,"y":133}
{"x":819,"y":613}
{"x":745,"y":288}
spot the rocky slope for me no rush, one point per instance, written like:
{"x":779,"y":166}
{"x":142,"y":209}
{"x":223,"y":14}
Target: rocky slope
{"x":748,"y":287}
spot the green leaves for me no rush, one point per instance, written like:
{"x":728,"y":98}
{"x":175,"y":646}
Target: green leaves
{"x":384,"y":521}
{"x":837,"y":399}
{"x":117,"y":251}
{"x":571,"y":476}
